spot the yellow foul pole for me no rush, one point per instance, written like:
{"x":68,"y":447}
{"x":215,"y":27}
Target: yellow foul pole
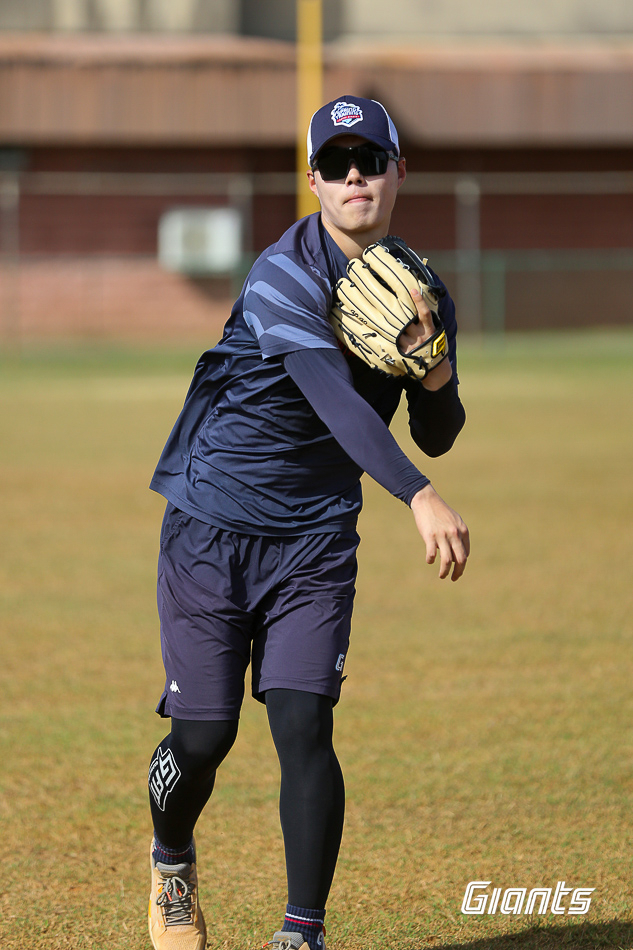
{"x":309,"y":91}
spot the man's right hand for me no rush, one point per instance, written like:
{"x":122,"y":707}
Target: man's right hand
{"x":443,"y":530}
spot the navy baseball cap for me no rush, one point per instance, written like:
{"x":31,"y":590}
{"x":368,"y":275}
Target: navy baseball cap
{"x":352,"y":115}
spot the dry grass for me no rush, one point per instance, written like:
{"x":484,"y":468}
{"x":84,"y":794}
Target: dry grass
{"x":485,"y":726}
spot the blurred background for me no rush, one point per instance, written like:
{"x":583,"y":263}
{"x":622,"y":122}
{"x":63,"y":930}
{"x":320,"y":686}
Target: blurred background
{"x":148,"y":149}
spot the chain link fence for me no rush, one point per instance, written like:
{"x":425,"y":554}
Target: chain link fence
{"x":109,"y":293}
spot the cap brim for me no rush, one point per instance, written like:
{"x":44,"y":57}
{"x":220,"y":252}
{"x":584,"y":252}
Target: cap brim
{"x":387,"y":144}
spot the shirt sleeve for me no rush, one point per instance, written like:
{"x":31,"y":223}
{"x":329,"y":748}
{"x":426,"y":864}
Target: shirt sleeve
{"x":325,"y":380}
{"x":286,"y":306}
{"x":437,"y":417}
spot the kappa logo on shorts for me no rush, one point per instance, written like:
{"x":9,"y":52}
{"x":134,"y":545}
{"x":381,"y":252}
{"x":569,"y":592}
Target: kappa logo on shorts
{"x":340,"y":663}
{"x":347,"y":114}
{"x":163,"y":775}
{"x":174,"y":687}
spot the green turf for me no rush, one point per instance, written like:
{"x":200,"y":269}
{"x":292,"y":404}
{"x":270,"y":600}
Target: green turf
{"x":484,"y":728}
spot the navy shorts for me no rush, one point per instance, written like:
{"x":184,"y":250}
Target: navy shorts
{"x":226,"y":599}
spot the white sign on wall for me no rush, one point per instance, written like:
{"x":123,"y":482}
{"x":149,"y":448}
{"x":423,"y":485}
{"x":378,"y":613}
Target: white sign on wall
{"x":200,"y":240}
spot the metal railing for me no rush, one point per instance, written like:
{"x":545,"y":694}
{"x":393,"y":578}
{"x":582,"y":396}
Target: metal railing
{"x":492,"y":269}
{"x":481,"y":275}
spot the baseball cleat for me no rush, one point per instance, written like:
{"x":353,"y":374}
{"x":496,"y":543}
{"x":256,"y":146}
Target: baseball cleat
{"x":174,"y":917}
{"x":291,"y":941}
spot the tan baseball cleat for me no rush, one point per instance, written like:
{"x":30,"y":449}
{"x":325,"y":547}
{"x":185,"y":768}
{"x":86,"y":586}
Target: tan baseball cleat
{"x":174,"y":917}
{"x":292,"y":941}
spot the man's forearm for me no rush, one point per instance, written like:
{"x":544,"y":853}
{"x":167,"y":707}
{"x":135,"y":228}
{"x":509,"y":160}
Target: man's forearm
{"x":436,"y":417}
{"x":325,"y":381}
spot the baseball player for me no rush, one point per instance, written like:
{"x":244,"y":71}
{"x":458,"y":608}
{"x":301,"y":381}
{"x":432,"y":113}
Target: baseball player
{"x":258,"y":545}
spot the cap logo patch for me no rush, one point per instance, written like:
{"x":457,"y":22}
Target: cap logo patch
{"x":346,"y":113}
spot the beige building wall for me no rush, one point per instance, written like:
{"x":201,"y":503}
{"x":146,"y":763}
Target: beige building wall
{"x":411,"y":21}
{"x":122,"y":16}
{"x":415,"y":20}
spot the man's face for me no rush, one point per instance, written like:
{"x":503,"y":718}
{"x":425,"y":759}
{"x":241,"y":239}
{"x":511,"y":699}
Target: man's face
{"x":356,"y":203}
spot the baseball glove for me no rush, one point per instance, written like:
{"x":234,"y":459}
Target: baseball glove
{"x":373,"y":307}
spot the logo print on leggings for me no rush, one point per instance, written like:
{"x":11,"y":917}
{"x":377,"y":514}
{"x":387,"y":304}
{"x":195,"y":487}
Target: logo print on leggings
{"x":163,"y":775}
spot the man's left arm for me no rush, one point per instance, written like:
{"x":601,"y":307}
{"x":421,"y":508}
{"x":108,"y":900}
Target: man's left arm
{"x":436,"y":414}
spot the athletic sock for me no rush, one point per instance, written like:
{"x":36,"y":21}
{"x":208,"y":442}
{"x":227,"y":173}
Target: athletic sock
{"x":307,"y":922}
{"x":172,"y":856}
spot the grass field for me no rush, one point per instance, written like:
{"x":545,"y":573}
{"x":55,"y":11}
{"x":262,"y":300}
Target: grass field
{"x":485,"y":726}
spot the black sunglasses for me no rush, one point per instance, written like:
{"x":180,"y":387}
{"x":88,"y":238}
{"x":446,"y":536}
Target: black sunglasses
{"x":334,"y":162}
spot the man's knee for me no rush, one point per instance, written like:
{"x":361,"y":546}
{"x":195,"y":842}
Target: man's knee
{"x":199,"y":747}
{"x":299,"y":719}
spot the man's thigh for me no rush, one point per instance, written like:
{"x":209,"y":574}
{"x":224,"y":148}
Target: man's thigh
{"x":303,"y":629}
{"x":205,"y":623}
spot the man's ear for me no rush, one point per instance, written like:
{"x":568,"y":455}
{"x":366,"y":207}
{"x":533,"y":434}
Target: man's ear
{"x":402,"y":171}
{"x":312,"y":182}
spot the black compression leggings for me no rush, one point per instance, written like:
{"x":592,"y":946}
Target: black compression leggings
{"x":198,"y":748}
{"x":312,"y":800}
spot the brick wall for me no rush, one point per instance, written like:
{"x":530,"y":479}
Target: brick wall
{"x":108,"y":298}
{"x":88,"y":261}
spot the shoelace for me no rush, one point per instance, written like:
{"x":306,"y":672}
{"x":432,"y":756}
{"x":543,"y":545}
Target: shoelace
{"x":176,"y":899}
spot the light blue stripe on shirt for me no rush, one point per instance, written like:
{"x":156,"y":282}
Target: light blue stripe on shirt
{"x":272,"y":295}
{"x":293,"y":269}
{"x":299,"y":336}
{"x":253,"y":321}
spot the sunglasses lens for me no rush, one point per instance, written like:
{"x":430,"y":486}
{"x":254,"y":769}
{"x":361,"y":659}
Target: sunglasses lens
{"x":372,"y":161}
{"x":333,"y":163}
